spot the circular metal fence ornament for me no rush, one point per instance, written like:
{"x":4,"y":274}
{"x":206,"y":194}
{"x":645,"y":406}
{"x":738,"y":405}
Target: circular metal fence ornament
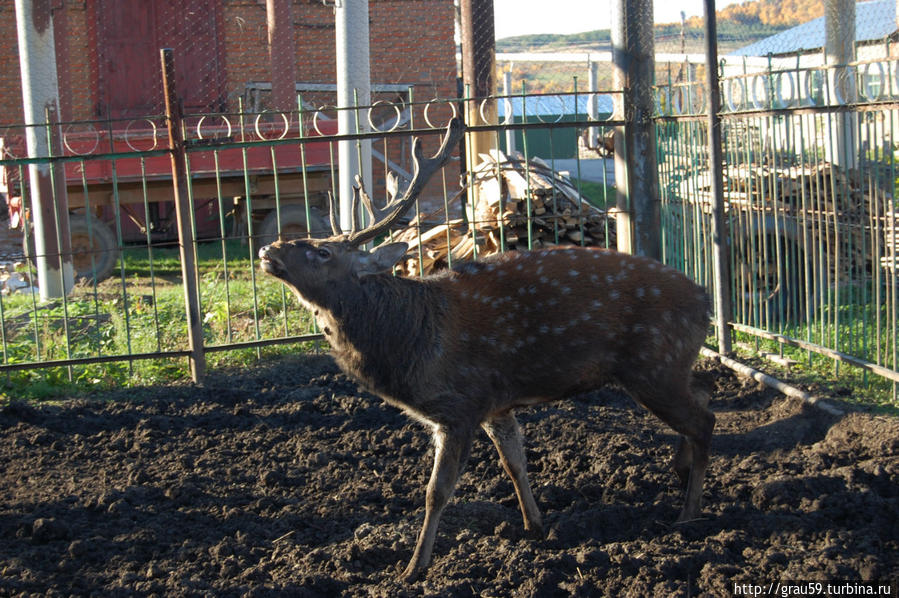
{"x":130,"y":135}
{"x":260,"y":134}
{"x":443,"y":102}
{"x":224,"y":118}
{"x":319,"y":113}
{"x":67,"y":141}
{"x":396,"y":110}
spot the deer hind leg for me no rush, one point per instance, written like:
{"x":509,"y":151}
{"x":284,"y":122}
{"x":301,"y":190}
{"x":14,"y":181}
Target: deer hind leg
{"x":683,"y":456}
{"x":451,"y":448}
{"x":506,"y":436}
{"x":687,"y":413}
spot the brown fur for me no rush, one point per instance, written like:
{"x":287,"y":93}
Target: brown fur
{"x":464,"y":348}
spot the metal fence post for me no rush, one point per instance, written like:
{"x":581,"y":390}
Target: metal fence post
{"x":182,"y":210}
{"x":721,"y":270}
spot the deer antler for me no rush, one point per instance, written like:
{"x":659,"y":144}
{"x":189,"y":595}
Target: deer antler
{"x":399,"y":202}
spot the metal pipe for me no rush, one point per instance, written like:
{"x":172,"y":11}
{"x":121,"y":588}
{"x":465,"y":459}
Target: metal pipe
{"x":771,"y":382}
{"x":353,"y":90}
{"x":184,"y":216}
{"x":721,"y":268}
{"x":40,"y":95}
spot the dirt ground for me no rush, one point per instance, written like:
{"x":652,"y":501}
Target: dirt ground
{"x":285,"y":479}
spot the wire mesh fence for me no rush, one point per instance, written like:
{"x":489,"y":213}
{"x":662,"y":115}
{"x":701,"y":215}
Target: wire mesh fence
{"x":807,"y":119}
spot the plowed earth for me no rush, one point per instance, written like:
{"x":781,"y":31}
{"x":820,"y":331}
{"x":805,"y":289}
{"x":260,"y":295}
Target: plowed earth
{"x":285,"y":479}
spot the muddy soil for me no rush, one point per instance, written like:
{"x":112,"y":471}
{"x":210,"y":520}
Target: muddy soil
{"x":285,"y":479}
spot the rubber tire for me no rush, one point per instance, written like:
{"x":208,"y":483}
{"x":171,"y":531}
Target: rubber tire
{"x":101,"y":242}
{"x":293,"y":225}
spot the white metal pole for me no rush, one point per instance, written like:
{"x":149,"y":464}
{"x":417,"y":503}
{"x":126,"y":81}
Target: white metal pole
{"x":40,"y":95}
{"x":353,"y":88}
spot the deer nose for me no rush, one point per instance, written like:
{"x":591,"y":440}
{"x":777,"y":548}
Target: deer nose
{"x":263,"y":251}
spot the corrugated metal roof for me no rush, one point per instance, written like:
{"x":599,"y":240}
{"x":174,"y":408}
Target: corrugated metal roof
{"x":873,"y":20}
{"x":552,"y":105}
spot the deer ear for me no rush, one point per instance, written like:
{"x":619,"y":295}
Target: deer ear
{"x":381,"y":259}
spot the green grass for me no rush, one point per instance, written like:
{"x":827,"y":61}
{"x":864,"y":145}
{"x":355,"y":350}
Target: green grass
{"x":600,"y":195}
{"x":140,"y":309}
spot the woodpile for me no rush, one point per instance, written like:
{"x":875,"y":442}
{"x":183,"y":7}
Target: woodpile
{"x":514,"y":201}
{"x":831,"y":209}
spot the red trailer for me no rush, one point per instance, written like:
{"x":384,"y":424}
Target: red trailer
{"x":132,"y":194}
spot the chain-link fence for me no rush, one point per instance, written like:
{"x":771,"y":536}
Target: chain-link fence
{"x":805,"y":94}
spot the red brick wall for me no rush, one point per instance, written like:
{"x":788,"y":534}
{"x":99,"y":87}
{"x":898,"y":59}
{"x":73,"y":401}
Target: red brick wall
{"x":411,"y":43}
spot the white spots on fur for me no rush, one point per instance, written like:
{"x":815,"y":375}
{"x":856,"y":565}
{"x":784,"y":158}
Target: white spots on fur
{"x":594,"y":278}
{"x":539,"y":269}
{"x":640,"y":292}
{"x":519,"y":266}
{"x":543,"y":279}
{"x":585,"y":317}
{"x":610,"y":279}
{"x":655,"y":291}
{"x":614,"y":295}
{"x":554,"y":282}
{"x":596,"y":304}
{"x":638,"y":328}
{"x":565,"y":290}
{"x":573,"y":273}
{"x":552,"y":302}
{"x":559,"y":330}
{"x":530,"y":339}
{"x":544,"y":329}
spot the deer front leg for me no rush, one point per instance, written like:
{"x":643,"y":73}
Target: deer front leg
{"x":451,"y":448}
{"x":506,"y":436}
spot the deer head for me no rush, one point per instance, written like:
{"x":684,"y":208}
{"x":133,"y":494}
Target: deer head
{"x":311,"y":265}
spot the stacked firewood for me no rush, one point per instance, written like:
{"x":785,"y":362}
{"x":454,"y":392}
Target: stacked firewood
{"x":838,"y":209}
{"x":516,"y":205}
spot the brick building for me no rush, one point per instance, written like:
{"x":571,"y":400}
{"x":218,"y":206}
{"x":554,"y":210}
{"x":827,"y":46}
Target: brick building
{"x":108,"y":52}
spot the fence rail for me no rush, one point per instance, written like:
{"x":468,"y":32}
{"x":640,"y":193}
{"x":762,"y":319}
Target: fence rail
{"x":248,"y":178}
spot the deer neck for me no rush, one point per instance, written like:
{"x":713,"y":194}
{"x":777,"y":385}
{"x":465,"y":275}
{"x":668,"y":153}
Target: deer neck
{"x":380,"y":328}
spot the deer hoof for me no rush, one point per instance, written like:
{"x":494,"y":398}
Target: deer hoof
{"x":410,"y":574}
{"x":535,"y":532}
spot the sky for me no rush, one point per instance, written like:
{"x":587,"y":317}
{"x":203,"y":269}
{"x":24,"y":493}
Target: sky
{"x":521,"y":17}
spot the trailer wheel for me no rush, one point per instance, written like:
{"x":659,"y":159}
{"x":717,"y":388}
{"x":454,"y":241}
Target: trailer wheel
{"x":293,"y":225}
{"x":94,"y":250}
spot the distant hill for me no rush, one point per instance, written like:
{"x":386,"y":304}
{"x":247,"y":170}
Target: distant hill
{"x":738,"y":25}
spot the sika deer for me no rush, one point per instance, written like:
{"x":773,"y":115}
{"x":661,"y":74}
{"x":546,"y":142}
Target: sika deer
{"x":464,"y":348}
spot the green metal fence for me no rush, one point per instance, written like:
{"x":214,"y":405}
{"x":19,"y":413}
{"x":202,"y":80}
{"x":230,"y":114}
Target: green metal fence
{"x":249,"y":178}
{"x":810,"y":182}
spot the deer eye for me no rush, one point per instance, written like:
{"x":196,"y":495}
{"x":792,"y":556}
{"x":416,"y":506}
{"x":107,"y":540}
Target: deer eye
{"x":324,"y":253}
